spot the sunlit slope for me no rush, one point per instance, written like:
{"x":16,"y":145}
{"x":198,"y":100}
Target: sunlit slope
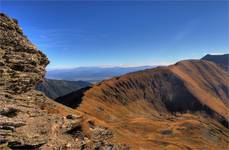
{"x":183,"y":106}
{"x":207,"y":82}
{"x":186,"y":86}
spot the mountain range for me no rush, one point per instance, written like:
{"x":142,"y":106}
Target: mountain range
{"x":56,"y":88}
{"x":91,"y":74}
{"x":183,"y":106}
{"x":96,"y":74}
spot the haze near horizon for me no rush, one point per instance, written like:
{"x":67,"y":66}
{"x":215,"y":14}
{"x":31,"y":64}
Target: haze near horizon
{"x":131,"y":33}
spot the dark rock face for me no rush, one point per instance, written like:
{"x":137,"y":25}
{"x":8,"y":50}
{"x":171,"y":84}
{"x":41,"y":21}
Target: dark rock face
{"x":21,"y":64}
{"x":28,"y":119}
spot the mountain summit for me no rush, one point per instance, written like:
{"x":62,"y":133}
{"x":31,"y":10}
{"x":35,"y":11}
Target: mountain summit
{"x":221,"y":60}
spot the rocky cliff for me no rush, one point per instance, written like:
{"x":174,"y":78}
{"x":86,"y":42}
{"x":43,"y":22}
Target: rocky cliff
{"x":22,"y":65}
{"x":28,"y":119}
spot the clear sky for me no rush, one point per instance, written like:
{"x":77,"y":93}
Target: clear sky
{"x":76,"y":33}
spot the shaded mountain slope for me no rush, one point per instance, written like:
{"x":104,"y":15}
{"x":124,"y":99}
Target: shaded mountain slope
{"x":221,"y":60}
{"x":166,"y":107}
{"x":74,"y":98}
{"x":56,"y":88}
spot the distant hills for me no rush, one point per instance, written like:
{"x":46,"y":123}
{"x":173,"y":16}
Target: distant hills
{"x":221,"y":60}
{"x":91,"y":74}
{"x":96,"y":74}
{"x":55,"y":88}
{"x":64,"y":81}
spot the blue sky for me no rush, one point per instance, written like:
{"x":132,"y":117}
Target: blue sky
{"x":76,"y":33}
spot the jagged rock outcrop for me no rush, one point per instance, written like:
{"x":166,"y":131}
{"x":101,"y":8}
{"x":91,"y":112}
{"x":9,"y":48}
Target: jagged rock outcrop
{"x":22,"y":65}
{"x":28,"y":119}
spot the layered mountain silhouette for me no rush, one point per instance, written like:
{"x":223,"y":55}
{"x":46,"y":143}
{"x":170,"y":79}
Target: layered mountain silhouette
{"x":56,"y":88}
{"x":221,"y":60}
{"x":91,"y":74}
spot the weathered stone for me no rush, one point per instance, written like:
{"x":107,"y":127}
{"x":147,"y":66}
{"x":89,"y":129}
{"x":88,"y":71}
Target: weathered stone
{"x":100,"y":134}
{"x":22,"y":65}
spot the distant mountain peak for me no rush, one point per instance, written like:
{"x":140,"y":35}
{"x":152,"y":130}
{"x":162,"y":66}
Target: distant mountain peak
{"x":221,"y":59}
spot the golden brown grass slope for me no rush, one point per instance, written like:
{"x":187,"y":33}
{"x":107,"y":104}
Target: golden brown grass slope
{"x":182,"y":106}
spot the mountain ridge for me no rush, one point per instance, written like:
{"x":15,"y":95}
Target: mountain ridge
{"x":195,"y":90}
{"x":221,"y":59}
{"x":178,"y":70}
